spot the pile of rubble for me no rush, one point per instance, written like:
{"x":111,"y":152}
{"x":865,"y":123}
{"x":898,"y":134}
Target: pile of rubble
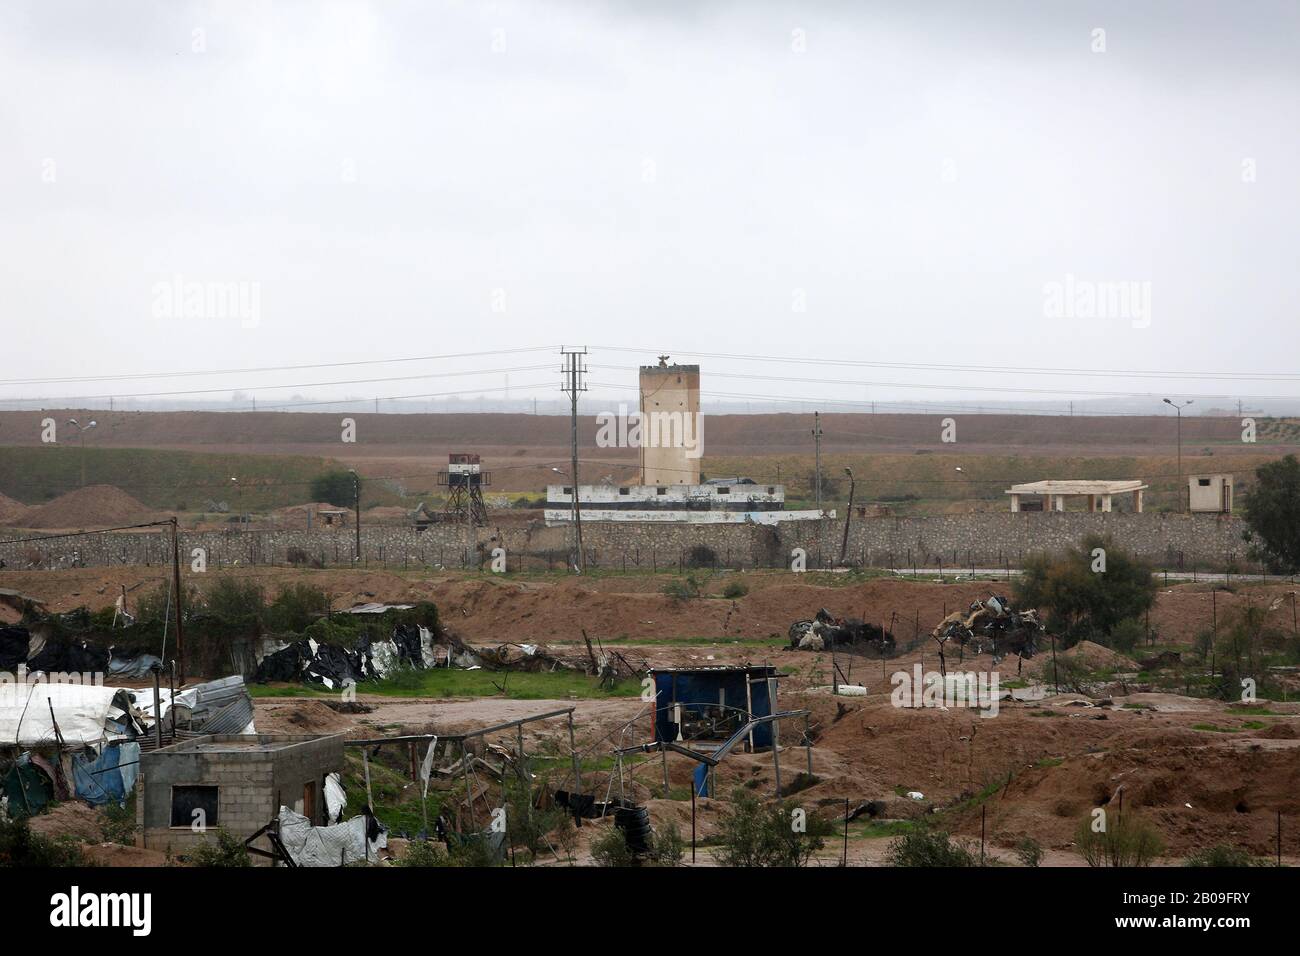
{"x":826,"y":631}
{"x":992,"y":624}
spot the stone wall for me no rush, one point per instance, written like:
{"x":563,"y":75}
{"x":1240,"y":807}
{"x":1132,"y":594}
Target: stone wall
{"x":987,"y":540}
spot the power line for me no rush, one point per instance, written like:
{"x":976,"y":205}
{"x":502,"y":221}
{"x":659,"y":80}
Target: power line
{"x":142,"y":376}
{"x":944,"y":387}
{"x":272,"y":387}
{"x":936,"y":367}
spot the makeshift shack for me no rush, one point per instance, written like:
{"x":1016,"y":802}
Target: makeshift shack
{"x":233,"y":781}
{"x":700,"y":705}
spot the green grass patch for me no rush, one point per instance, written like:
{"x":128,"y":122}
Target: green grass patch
{"x":879,"y":829}
{"x":397,"y":799}
{"x":169,"y":480}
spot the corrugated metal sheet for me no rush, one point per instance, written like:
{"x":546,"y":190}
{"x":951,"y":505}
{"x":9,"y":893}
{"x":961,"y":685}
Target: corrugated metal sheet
{"x":231,"y":719}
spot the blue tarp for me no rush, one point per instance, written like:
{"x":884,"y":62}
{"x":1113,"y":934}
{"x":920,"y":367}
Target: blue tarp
{"x":702,"y":780}
{"x":111,"y":776}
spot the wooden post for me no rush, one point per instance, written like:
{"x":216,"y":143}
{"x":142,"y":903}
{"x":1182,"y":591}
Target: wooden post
{"x":157,"y":708}
{"x":663,"y":752}
{"x":983,"y":813}
{"x":523,"y":761}
{"x":577,"y":764}
{"x":844,"y":861}
{"x":469,"y":794}
{"x":365,"y":762}
{"x":692,"y":818}
{"x":776,"y":733}
{"x":807,"y":737}
{"x":179,"y":603}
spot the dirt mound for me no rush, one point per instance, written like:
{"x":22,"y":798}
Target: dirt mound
{"x":85,"y":507}
{"x":111,"y":854}
{"x":73,"y":818}
{"x":299,"y":717}
{"x":11,"y":511}
{"x":1093,"y":656}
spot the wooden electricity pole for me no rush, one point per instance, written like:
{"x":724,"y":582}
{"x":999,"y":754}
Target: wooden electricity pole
{"x":176,"y":587}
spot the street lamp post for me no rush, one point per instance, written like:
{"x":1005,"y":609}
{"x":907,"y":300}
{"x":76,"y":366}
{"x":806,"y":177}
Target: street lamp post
{"x":81,"y":436}
{"x":1179,"y":409}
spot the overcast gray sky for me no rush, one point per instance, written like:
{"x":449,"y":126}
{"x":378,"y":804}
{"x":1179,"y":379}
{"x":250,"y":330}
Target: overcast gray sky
{"x":901,"y":182}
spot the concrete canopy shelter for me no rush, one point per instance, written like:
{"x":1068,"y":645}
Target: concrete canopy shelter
{"x":1099,"y":492}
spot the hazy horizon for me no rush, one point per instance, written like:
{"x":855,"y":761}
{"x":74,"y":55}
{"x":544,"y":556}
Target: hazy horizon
{"x":895,"y":202}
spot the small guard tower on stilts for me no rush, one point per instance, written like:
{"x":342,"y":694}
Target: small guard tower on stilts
{"x":465,"y":480}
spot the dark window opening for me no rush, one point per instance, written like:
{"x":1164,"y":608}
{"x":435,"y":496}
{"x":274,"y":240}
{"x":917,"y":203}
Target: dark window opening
{"x":186,"y":800}
{"x":624,"y":491}
{"x":661,"y":491}
{"x":724,"y":491}
{"x":568,"y":491}
{"x":1203,"y":482}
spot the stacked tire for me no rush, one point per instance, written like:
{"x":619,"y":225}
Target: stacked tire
{"x":635,"y":824}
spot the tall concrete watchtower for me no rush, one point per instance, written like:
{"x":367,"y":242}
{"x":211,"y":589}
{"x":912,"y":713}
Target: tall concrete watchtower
{"x":670,"y":422}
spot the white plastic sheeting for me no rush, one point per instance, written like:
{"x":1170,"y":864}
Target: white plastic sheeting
{"x":343,"y":843}
{"x":336,"y":798}
{"x":86,"y":715}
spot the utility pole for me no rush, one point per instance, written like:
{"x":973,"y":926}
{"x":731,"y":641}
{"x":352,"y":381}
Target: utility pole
{"x":817,"y":477}
{"x":180,"y":632}
{"x":848,"y":516}
{"x":1179,"y":409}
{"x":356,"y":492}
{"x":574,"y":370}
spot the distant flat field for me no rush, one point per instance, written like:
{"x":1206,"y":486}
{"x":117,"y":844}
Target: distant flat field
{"x":898,"y":460}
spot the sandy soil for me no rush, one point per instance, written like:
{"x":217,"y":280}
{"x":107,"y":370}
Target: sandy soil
{"x":1202,"y":771}
{"x":488,"y":609}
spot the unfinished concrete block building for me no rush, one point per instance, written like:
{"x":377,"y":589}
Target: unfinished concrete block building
{"x":232,"y":781}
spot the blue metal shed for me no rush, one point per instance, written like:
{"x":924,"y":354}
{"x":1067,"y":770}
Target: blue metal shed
{"x":703,"y":705}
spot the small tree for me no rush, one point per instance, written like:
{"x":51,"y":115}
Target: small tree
{"x":1127,"y":840}
{"x":1081,"y":600}
{"x":227,"y":851}
{"x":19,"y":846}
{"x":757,"y":834}
{"x":668,"y":847}
{"x":1220,"y":855}
{"x":922,"y":847}
{"x":338,"y":487}
{"x":611,"y":849}
{"x":1272,"y":510}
